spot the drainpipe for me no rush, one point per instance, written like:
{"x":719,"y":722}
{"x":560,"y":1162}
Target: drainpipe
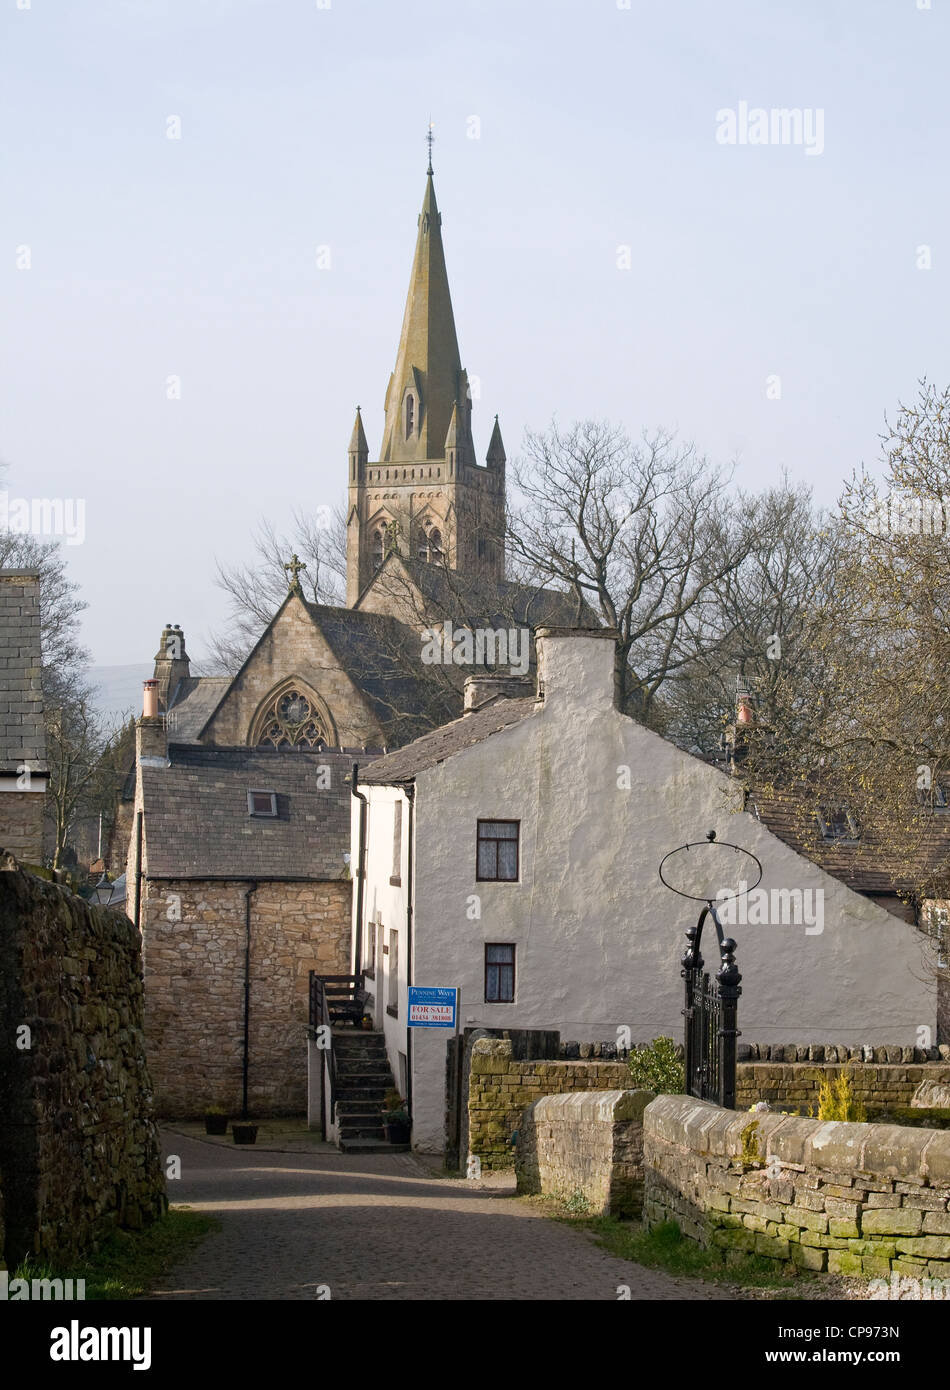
{"x":247,"y":994}
{"x":360,"y":867}
{"x":137,"y":916}
{"x":410,"y":791}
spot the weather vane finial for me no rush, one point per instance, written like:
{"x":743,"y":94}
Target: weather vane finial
{"x":429,"y":138}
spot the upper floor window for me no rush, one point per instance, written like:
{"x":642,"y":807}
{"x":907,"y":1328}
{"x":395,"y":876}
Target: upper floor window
{"x":497,"y":851}
{"x":377,"y":549}
{"x":410,"y":415}
{"x":396,"y":876}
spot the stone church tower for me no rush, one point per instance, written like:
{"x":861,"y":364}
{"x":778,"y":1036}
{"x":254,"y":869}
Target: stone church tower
{"x":426,"y":497}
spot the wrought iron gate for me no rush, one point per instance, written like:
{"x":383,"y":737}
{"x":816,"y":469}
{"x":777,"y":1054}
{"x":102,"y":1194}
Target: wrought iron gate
{"x":710,"y":1015}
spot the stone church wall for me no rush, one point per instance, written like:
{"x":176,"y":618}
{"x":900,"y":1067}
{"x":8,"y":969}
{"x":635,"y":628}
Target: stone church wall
{"x":295,"y":647}
{"x":79,"y":1151}
{"x":194,"y":980}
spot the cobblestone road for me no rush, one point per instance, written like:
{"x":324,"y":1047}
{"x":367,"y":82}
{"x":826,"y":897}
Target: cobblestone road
{"x":381,"y":1227}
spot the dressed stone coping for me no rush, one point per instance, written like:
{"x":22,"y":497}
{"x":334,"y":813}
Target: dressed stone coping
{"x":585,"y":1147}
{"x":867,"y":1199}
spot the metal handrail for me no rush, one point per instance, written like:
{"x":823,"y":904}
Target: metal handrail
{"x":349,"y":986}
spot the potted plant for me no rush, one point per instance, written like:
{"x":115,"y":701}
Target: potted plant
{"x":396,"y":1119}
{"x":216,"y":1120}
{"x":244,"y":1132}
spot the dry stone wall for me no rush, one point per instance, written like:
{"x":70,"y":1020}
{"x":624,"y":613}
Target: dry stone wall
{"x":795,"y":1085}
{"x":79,"y":1151}
{"x":864,"y":1199}
{"x":586,"y":1145}
{"x":194,"y":946}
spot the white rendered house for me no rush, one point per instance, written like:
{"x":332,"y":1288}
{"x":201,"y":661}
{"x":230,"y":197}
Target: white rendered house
{"x":513,"y":854}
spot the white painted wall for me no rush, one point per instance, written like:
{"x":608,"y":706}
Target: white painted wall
{"x":598,"y":937}
{"x":387,"y":902}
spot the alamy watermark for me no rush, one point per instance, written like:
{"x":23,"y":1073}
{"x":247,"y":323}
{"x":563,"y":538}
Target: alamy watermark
{"x":44,"y":516}
{"x":777,"y":125}
{"x":777,"y":907}
{"x":481,"y":646}
{"x":908,"y":516}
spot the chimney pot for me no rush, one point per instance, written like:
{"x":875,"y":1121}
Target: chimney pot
{"x":149,"y":699}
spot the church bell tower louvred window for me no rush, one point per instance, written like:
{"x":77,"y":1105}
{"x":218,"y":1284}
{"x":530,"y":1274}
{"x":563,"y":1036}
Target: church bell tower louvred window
{"x":410,"y":416}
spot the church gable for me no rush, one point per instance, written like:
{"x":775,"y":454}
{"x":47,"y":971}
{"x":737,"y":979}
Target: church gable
{"x":293,"y":678}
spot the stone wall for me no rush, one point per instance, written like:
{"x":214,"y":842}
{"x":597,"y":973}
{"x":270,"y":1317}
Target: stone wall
{"x":862,"y":1199}
{"x":21,"y":824}
{"x":501,"y":1089}
{"x":78,"y":1146}
{"x":194,"y":944}
{"x":587,"y":1144}
{"x":795,"y":1085}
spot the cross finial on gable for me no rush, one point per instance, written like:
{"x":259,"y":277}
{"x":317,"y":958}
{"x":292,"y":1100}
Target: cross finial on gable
{"x":293,"y":568}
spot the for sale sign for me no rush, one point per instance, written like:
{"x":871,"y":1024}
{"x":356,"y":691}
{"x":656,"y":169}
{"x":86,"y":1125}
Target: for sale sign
{"x":432,"y":1007}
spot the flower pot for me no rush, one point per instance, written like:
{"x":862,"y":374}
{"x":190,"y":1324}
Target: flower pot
{"x":398,"y":1132}
{"x":243,"y":1134}
{"x":216,"y":1124}
{"x":367,"y":1023}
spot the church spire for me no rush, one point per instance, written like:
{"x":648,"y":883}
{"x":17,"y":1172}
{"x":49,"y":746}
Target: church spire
{"x":427,"y":381}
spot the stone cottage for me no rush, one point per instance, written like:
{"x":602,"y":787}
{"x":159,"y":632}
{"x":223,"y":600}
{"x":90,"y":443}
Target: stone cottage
{"x":513,"y":854}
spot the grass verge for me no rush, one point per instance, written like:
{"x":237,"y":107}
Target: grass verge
{"x":128,"y":1262}
{"x":665,"y":1247}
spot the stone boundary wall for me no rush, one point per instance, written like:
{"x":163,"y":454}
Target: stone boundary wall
{"x":501,"y":1089}
{"x":864,"y":1199}
{"x":79,"y":1150}
{"x":588,"y":1144}
{"x":794,"y":1085}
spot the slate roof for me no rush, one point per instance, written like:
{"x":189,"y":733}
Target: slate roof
{"x":192,"y":703}
{"x":493,"y":602}
{"x":382,"y":656}
{"x":197,"y":823}
{"x":869,"y":864}
{"x":22,"y":737}
{"x":442,"y":743}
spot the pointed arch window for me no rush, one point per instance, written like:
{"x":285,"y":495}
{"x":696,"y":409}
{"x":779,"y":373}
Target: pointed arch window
{"x":378,"y":546}
{"x":292,"y":721}
{"x":429,"y":546}
{"x":410,"y":415}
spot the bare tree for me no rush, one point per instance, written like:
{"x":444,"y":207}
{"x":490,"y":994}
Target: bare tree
{"x":642,"y":533}
{"x":754,"y":629}
{"x":258,"y":588}
{"x":862,"y":722}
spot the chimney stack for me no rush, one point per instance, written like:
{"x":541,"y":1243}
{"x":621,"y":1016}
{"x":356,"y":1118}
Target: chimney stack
{"x":151,"y":739}
{"x":576,"y":666}
{"x":479,"y":690}
{"x":171,"y":664}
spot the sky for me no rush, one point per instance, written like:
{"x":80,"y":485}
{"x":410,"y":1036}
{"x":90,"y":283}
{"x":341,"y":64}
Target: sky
{"x":181,"y":356}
